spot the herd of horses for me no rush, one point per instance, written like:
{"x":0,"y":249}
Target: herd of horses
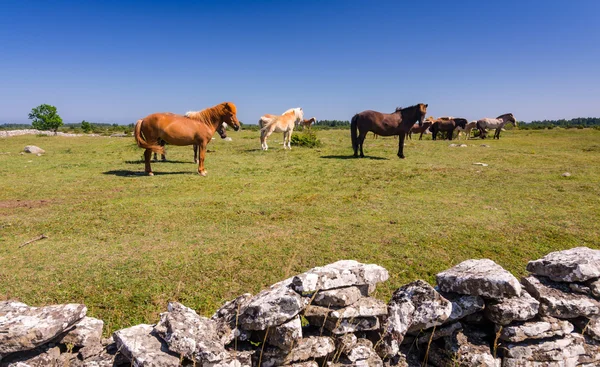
{"x":197,"y":128}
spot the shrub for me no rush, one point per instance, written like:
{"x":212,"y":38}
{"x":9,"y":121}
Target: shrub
{"x":306,"y":138}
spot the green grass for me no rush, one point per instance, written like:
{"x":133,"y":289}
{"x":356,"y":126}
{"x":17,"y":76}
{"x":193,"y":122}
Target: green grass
{"x":125,"y":244}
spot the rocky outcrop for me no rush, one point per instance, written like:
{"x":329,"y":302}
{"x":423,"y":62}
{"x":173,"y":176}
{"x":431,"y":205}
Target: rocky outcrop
{"x":478,"y":315}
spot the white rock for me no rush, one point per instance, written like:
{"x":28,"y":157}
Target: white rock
{"x":33,"y":149}
{"x":575,"y":265}
{"x":343,"y":273}
{"x":142,"y":346}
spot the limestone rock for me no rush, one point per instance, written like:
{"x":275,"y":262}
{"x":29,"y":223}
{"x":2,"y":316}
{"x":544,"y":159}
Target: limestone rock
{"x":463,"y":305}
{"x":361,"y":316}
{"x":305,"y":364}
{"x":233,"y":359}
{"x":563,"y":349}
{"x":345,"y":342}
{"x":39,"y":357}
{"x":306,"y":348}
{"x":595,"y":287}
{"x":439,"y":332}
{"x":503,"y":312}
{"x":589,"y":326}
{"x":191,"y":335}
{"x":361,"y":354}
{"x":465,"y":347}
{"x":33,"y":149}
{"x":545,"y":327}
{"x":340,"y":297}
{"x":271,"y":307}
{"x":591,"y":355}
{"x":144,"y":348}
{"x":557,"y":300}
{"x":574,"y":265}
{"x":479,"y":278}
{"x":87,"y":331}
{"x":364,"y":307}
{"x":430,"y":308}
{"x":352,"y":325}
{"x":25,"y":328}
{"x":285,"y":336}
{"x":342,"y":273}
{"x":227,"y":316}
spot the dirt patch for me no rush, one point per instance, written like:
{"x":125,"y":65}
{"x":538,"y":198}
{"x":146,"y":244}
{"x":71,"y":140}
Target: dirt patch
{"x":9,"y":204}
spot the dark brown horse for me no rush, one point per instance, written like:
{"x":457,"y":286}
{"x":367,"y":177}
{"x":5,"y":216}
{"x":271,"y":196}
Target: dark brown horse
{"x":162,"y":143}
{"x":176,"y":130}
{"x":447,"y":125}
{"x":397,"y":123}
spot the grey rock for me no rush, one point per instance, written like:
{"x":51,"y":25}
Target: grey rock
{"x":271,"y":307}
{"x":595,"y":287}
{"x":479,"y":278}
{"x":352,"y":325}
{"x":364,"y":307}
{"x":589,"y":326}
{"x":233,"y":359}
{"x":397,"y":324}
{"x":574,"y":265}
{"x":33,"y":149}
{"x":360,"y":354}
{"x":361,"y":316}
{"x":88,"y":331}
{"x":569,"y":347}
{"x":12,"y":307}
{"x":345,"y":342}
{"x":566,"y":174}
{"x":557,"y":300}
{"x":305,"y":364}
{"x":41,"y":357}
{"x":591,"y":356}
{"x":463,"y":305}
{"x":545,"y":327}
{"x":307,"y":348}
{"x":430,"y":307}
{"x":503,"y":312}
{"x":227,"y":316}
{"x":342,"y":273}
{"x":340,"y":297}
{"x":191,"y":335}
{"x":25,"y":328}
{"x":144,"y":348}
{"x":285,"y":336}
{"x":438,"y":332}
{"x":464,"y":347}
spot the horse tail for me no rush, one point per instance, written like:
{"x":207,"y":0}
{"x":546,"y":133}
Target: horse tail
{"x":354,"y":131}
{"x":142,"y":143}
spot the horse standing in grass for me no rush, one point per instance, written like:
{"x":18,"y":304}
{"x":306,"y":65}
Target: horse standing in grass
{"x":307,"y":123}
{"x":177,"y":130}
{"x":416,"y":129}
{"x":470,"y":126}
{"x":281,"y":124}
{"x":447,"y":124}
{"x":385,"y":124}
{"x":162,"y":143}
{"x":497,"y":124}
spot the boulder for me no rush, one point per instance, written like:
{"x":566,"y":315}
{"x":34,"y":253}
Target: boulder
{"x":504,"y":312}
{"x":343,"y":273}
{"x":463,"y":305}
{"x":306,"y":348}
{"x":86,"y":332}
{"x":271,"y":307}
{"x":340,"y":297}
{"x":144,"y":348}
{"x":285,"y":336}
{"x":479,"y":278}
{"x":557,"y":299}
{"x":33,"y":149}
{"x":565,"y":349}
{"x":191,"y":335}
{"x":24,"y":328}
{"x":574,"y":265}
{"x":227,"y":316}
{"x":545,"y":327}
{"x":39,"y":357}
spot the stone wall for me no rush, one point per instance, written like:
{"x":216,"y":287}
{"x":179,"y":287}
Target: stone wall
{"x":10,"y":133}
{"x":477,"y":315}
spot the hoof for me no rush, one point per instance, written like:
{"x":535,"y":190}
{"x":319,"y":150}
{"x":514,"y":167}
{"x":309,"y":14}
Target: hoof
{"x":150,"y":173}
{"x":401,"y":156}
{"x":202,"y":173}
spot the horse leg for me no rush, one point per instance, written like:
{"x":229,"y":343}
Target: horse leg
{"x":263,"y":140}
{"x":450,"y":134}
{"x":195,"y":147}
{"x":401,"y":146}
{"x":155,"y":158}
{"x":361,"y":140}
{"x":202,"y":155}
{"x":497,"y":134}
{"x":147,"y":156}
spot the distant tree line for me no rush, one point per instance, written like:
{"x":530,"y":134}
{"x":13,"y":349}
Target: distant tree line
{"x":578,"y":123}
{"x":332,"y":124}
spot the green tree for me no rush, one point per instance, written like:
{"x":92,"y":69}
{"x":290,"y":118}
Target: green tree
{"x":86,"y":126}
{"x":45,"y":117}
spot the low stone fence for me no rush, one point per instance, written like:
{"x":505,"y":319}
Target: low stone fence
{"x":477,"y":315}
{"x":9,"y":133}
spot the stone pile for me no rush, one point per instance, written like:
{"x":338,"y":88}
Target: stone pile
{"x":478,"y":315}
{"x":10,"y":133}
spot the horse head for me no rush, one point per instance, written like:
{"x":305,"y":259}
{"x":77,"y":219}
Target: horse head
{"x":229,"y":114}
{"x":422,"y":112}
{"x":508,"y":117}
{"x":221,"y":131}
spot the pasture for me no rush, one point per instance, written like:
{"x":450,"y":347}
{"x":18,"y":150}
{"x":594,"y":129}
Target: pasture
{"x":124,"y":243}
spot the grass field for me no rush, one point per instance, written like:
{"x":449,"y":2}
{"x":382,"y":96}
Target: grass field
{"x":125,"y":244}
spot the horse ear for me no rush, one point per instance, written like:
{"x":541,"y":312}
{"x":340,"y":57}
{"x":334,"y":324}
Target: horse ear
{"x":426,"y":105}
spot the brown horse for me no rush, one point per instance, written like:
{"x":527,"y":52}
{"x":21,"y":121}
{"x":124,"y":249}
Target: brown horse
{"x":397,"y":123}
{"x":447,"y":125}
{"x":307,"y":123}
{"x":177,"y":130}
{"x":162,"y":143}
{"x":416,"y":129}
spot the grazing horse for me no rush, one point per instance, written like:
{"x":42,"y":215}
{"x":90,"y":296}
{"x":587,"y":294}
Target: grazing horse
{"x":281,"y":124}
{"x":416,"y":129}
{"x":162,"y":143}
{"x":177,"y":130}
{"x":447,"y":124}
{"x":307,"y":123}
{"x":497,"y":123}
{"x":470,"y":126}
{"x":385,"y":124}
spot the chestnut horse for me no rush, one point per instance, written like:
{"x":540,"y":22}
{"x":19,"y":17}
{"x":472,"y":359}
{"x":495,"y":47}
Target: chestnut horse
{"x":385,"y":124}
{"x":307,"y":123}
{"x":497,"y":123}
{"x":447,"y":124}
{"x":416,"y":129}
{"x":162,"y":143}
{"x":281,"y":124}
{"x":177,"y":130}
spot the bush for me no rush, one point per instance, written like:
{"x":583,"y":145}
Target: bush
{"x":45,"y":117}
{"x":307,"y":139}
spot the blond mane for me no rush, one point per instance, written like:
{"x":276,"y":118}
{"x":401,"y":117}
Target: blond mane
{"x":211,"y":114}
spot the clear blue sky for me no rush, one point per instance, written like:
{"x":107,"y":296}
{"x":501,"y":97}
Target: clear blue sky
{"x":117,"y":61}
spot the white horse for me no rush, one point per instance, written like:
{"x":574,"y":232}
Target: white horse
{"x":470,"y":126}
{"x":281,"y":124}
{"x":497,"y":124}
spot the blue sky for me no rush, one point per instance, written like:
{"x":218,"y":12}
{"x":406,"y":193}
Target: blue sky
{"x":117,"y":61}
